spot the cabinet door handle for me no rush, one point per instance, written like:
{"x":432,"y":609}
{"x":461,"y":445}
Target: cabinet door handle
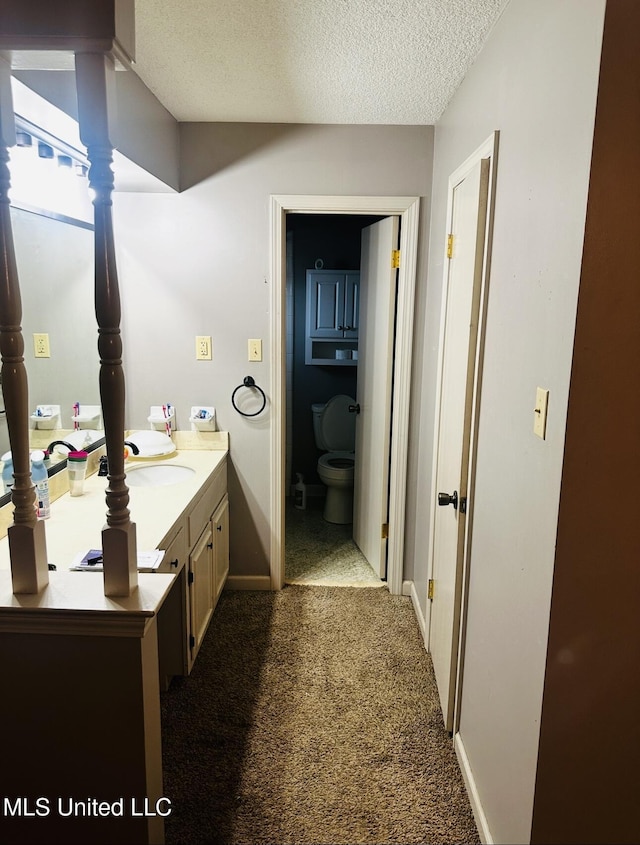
{"x":174,"y":563}
{"x":209,"y":545}
{"x":219,"y":528}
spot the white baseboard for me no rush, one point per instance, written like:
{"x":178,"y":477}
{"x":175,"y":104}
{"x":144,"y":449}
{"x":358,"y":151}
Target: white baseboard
{"x":474,"y":798}
{"x":409,"y":589}
{"x":248,"y":582}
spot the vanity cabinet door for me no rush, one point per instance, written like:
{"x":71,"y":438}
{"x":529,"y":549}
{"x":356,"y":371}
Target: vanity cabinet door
{"x":220,"y":524}
{"x":200,"y":578}
{"x":175,"y":555}
{"x":173,"y":616}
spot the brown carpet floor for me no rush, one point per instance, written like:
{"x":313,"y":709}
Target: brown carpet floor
{"x":311,"y":717}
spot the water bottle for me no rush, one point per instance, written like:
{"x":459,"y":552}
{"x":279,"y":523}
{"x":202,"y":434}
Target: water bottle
{"x":7,"y":472}
{"x":300,"y":491}
{"x":40,"y":478}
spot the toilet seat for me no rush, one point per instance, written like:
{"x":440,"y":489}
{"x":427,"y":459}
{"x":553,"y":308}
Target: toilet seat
{"x":338,"y":425}
{"x":337,"y":465}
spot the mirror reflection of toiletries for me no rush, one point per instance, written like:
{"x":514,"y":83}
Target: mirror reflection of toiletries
{"x":54,"y":258}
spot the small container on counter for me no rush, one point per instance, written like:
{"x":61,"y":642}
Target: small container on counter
{"x":77,"y":468}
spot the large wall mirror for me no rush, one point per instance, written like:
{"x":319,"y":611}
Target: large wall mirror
{"x":55,"y":261}
{"x":54,"y":247}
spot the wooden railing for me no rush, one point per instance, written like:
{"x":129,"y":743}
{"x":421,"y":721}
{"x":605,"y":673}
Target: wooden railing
{"x":95,"y":84}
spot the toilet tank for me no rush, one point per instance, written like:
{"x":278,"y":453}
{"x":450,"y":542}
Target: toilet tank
{"x":333,"y":426}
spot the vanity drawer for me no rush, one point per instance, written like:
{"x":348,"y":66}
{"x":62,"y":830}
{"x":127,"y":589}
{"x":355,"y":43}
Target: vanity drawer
{"x":175,"y":553}
{"x":208,"y":501}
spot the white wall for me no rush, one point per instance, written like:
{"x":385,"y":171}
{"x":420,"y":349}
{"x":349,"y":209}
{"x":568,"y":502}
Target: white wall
{"x":535,"y":81}
{"x":198,"y":263}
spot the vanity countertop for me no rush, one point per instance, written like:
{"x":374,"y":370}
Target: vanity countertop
{"x":76,"y":524}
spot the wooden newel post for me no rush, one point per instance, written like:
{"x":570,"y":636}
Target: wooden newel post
{"x":27,"y":542}
{"x":95,"y":80}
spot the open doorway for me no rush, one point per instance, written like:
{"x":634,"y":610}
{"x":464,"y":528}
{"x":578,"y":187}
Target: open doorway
{"x":407,"y":210}
{"x":322,"y":251}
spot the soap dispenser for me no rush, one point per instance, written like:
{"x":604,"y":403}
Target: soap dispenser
{"x":300,"y":492}
{"x":40,"y":478}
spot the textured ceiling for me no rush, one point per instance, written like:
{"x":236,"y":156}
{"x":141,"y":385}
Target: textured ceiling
{"x":309,"y":61}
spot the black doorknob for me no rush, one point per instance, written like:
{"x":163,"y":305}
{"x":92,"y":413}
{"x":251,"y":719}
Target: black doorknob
{"x":448,"y":499}
{"x":354,"y":409}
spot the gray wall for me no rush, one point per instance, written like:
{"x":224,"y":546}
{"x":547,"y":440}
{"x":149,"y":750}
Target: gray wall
{"x":199,"y":263}
{"x":146,"y":133}
{"x":535,"y":81}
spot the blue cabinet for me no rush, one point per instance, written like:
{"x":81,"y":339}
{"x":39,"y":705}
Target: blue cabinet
{"x":332,"y":317}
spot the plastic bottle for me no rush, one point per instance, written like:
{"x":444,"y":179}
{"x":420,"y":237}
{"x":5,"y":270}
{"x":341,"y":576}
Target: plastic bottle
{"x":7,"y":472}
{"x":300,"y":491}
{"x":40,"y":478}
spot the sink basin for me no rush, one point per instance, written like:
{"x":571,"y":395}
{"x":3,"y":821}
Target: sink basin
{"x":158,"y":475}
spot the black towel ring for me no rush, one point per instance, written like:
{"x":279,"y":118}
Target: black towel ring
{"x":249,"y":381}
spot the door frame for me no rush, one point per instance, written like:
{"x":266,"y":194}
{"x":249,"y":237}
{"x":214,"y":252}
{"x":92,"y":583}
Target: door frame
{"x":407,"y":208}
{"x":489,"y":149}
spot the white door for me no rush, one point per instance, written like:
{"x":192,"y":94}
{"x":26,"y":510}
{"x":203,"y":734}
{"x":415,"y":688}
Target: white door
{"x":378,"y":281}
{"x":459,"y":331}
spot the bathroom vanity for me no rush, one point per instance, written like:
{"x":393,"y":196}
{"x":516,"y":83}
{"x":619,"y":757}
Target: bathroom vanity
{"x":82,"y":673}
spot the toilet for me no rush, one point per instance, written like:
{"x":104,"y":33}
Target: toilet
{"x":334,"y":428}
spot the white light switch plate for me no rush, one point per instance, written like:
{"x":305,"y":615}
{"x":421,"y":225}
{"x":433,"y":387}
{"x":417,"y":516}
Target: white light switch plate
{"x":540,"y":412}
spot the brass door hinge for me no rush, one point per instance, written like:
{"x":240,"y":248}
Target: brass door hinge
{"x":430,"y":589}
{"x":395,"y":258}
{"x":385,"y":531}
{"x":449,"y":246}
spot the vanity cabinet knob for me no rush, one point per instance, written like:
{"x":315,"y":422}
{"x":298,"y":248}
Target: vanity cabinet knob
{"x":174,"y":563}
{"x":219,"y":528}
{"x":209,"y":545}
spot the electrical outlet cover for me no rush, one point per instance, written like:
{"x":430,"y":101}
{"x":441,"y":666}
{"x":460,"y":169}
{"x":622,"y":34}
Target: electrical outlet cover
{"x":203,"y":348}
{"x":41,"y":345}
